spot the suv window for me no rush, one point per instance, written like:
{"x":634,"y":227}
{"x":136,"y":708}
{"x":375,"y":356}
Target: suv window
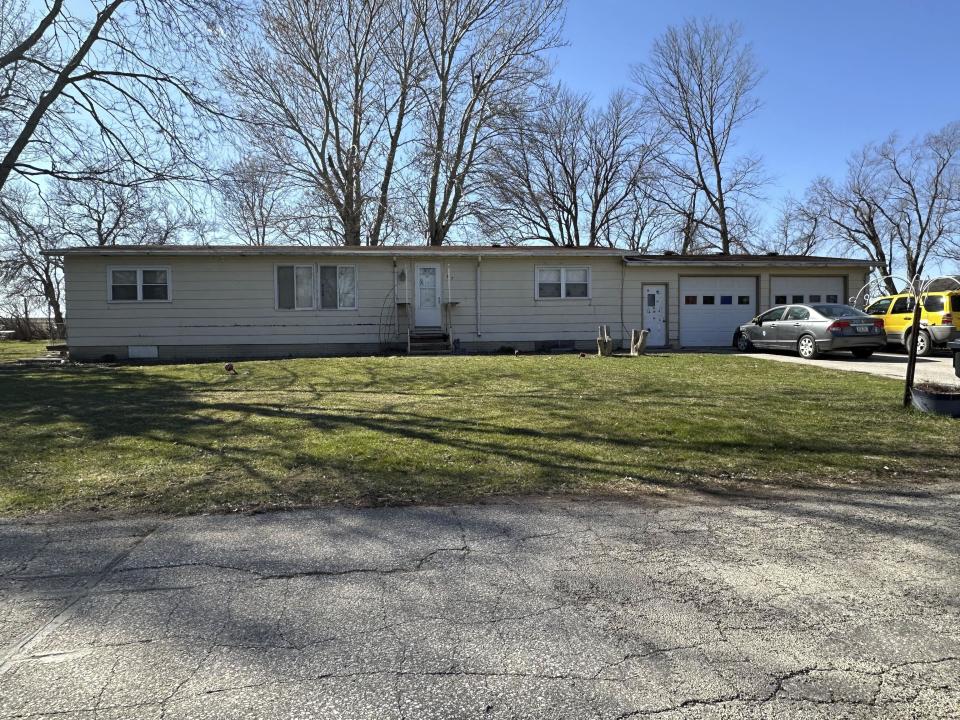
{"x":955,"y":303}
{"x":771,"y":315}
{"x":879,"y":307}
{"x":797,"y":313}
{"x":902,"y":305}
{"x":933,"y":303}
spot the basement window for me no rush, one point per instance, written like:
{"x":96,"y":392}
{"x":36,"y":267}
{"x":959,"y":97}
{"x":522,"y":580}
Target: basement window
{"x":138,"y":284}
{"x":558,"y":283}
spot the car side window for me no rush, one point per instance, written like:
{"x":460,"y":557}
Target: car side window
{"x":902,"y":305}
{"x":797,"y":313}
{"x":880,"y":307}
{"x":771,"y":315}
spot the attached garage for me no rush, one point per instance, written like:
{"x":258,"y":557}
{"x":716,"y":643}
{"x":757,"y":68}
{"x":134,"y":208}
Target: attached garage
{"x":712,"y":307}
{"x":798,"y":289}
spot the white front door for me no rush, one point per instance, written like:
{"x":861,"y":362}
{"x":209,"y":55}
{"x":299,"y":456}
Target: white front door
{"x":655,"y":314}
{"x":428,"y":296}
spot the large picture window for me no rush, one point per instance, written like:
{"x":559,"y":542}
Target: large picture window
{"x":141,"y":284}
{"x":306,"y":287}
{"x":562,"y":282}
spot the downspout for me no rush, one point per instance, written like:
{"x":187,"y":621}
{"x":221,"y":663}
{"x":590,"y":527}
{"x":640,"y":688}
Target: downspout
{"x":623,"y":326}
{"x":477,"y":286}
{"x":396,"y":306}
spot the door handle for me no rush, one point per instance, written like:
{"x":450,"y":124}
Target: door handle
{"x":796,"y":324}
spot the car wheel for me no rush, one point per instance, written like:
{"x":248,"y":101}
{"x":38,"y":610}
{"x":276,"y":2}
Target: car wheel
{"x":807,"y":348}
{"x":743,"y":343}
{"x":862,"y":354}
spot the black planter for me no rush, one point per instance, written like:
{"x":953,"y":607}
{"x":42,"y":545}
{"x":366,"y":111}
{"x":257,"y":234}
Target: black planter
{"x":955,"y":349}
{"x":938,"y":403}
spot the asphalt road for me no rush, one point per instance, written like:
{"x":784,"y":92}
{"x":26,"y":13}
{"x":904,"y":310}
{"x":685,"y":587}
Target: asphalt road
{"x":822,"y":604}
{"x":936,"y":368}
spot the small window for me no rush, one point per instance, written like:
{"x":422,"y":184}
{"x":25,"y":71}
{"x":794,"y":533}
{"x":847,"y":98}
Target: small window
{"x":139,"y":285}
{"x":797,"y":299}
{"x":295,"y":287}
{"x":934,"y":303}
{"x":955,"y":303}
{"x":833,"y":299}
{"x":563,"y":282}
{"x":743,"y":300}
{"x":780,"y":300}
{"x":797,"y":313}
{"x":690,"y":300}
{"x":708,"y":300}
{"x":726,"y":299}
{"x":880,"y":307}
{"x":651,"y":300}
{"x":902,"y":305}
{"x":815,"y":299}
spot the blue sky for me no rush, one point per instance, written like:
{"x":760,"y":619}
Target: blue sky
{"x":838,"y":74}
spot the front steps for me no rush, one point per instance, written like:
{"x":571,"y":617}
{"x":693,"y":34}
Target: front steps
{"x":428,"y":343}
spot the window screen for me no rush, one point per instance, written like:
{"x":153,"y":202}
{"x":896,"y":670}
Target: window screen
{"x":154,"y":284}
{"x":123,"y":285}
{"x":294,"y":287}
{"x":549,"y":282}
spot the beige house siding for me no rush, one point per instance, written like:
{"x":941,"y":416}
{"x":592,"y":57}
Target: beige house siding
{"x":226,"y":305}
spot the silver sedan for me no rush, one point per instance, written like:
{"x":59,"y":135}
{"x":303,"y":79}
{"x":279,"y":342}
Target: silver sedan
{"x":813,"y":329}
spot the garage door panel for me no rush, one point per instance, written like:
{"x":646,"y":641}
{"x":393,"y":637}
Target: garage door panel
{"x":799,"y":289}
{"x":711,"y":308}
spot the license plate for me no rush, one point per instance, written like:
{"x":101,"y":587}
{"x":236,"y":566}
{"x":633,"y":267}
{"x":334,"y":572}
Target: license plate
{"x":862,"y":329}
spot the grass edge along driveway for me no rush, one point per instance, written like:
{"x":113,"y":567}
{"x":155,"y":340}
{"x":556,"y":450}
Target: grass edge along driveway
{"x":392,"y":430}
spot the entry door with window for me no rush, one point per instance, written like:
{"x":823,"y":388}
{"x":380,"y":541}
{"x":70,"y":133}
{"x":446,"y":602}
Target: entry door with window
{"x":655,"y":314}
{"x":428,"y":296}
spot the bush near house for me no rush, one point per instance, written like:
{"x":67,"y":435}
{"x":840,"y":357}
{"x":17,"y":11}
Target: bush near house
{"x":189,"y":438}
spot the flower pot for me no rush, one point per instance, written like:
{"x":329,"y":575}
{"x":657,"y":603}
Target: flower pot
{"x":937,"y":399}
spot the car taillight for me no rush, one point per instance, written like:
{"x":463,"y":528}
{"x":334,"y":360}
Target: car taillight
{"x":837,"y":326}
{"x":947,"y":319}
{"x":878,"y":323}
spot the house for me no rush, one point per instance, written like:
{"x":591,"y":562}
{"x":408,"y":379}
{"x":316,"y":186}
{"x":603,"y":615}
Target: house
{"x":203,"y":302}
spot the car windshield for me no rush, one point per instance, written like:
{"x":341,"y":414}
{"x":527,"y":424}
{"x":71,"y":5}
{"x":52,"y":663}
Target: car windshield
{"x":837,"y":311}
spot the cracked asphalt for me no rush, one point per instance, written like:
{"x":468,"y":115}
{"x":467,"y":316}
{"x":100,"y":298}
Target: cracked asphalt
{"x":813,"y":604}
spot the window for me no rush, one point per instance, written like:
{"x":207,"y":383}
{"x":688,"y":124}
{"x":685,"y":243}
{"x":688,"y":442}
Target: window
{"x":726,"y":299}
{"x":708,"y":300}
{"x":297,"y":289}
{"x":815,"y":299}
{"x":294,"y":287}
{"x":771,"y":315}
{"x":797,"y":313}
{"x":689,"y":299}
{"x":563,"y":282}
{"x":933,"y":303}
{"x":138,"y":284}
{"x":955,"y":303}
{"x":743,"y":300}
{"x":780,"y":300}
{"x":797,"y":299}
{"x":833,"y":299}
{"x":839,"y":311}
{"x":902,"y":305}
{"x":879,"y":307}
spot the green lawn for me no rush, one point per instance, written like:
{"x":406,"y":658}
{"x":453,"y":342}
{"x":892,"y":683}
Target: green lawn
{"x":11,"y":350}
{"x":187,"y":438}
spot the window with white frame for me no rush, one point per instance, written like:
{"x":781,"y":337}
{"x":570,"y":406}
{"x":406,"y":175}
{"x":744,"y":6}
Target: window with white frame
{"x":563,"y":282}
{"x":139,"y":284}
{"x":306,"y":287}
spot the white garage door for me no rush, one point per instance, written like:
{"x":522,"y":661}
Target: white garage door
{"x":784,"y":290}
{"x":711,"y":308}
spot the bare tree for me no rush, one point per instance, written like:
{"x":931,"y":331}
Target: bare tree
{"x":571,"y":176}
{"x":88,"y":91}
{"x":899,"y":204}
{"x":482,"y":56}
{"x":796,"y":231}
{"x":323,"y":90}
{"x":700,"y":82}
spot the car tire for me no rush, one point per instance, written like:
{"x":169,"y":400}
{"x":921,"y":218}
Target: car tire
{"x":924,"y":344}
{"x":807,"y":348}
{"x":743,"y":343}
{"x":862,"y":354}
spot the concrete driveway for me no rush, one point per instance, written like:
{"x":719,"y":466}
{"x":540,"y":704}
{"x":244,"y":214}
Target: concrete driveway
{"x":937,"y":368}
{"x":821,"y":604}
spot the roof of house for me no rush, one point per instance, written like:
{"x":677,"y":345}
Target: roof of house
{"x":630,"y":257}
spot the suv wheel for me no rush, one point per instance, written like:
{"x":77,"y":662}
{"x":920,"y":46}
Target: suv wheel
{"x":924,"y":346}
{"x":807,"y":348}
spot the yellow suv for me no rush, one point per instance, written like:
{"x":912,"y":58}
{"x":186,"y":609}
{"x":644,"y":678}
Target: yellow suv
{"x":939,"y":321}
